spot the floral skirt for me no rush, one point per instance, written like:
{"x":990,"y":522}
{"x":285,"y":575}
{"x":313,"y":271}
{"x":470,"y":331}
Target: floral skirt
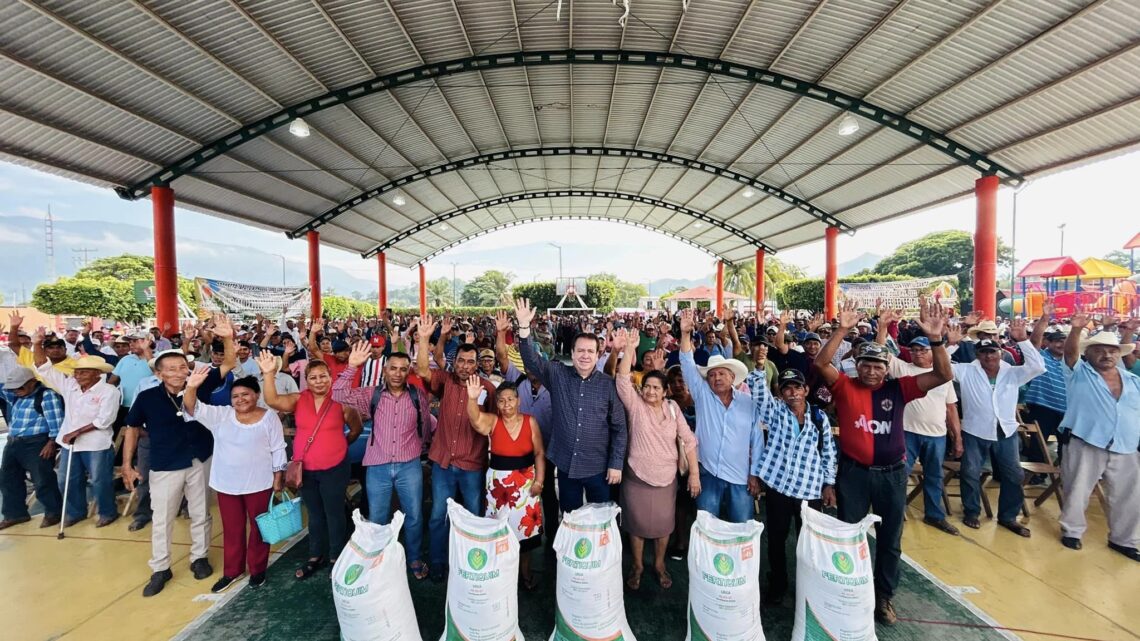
{"x":509,"y":491}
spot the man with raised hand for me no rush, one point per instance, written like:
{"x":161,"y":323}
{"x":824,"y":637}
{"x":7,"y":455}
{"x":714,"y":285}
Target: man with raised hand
{"x":588,"y":436}
{"x":872,"y":463}
{"x":989,"y":391}
{"x":729,"y":439}
{"x":458,"y":453}
{"x":1103,"y":416}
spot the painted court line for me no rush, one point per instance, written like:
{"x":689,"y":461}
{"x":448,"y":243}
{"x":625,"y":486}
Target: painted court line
{"x":221,"y":600}
{"x":957,"y":597}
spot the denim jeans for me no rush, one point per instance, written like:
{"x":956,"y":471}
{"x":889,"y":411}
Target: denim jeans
{"x":407,"y":479}
{"x":570,"y":491}
{"x":448,"y":484}
{"x":1003,"y":454}
{"x":715,"y":492}
{"x":931,"y":452}
{"x":860,"y":489}
{"x":99,"y":465}
{"x":22,"y":454}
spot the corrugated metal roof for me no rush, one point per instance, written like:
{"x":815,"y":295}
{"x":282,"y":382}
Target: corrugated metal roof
{"x":111,"y":91}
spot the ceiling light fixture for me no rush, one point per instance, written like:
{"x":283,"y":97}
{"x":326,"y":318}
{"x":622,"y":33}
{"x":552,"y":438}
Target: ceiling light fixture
{"x":748,"y":193}
{"x":443,"y":227}
{"x":399,"y":200}
{"x":697,"y":224}
{"x":848,"y":125}
{"x":299,"y":128}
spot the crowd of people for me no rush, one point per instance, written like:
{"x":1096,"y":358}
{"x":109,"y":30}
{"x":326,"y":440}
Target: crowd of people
{"x":665,"y":413}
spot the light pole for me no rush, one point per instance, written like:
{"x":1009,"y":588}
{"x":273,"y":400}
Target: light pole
{"x":282,"y":268}
{"x":1062,"y":228}
{"x":1013,"y":249}
{"x":559,"y":248}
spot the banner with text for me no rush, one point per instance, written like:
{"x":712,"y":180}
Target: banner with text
{"x":902,"y":294}
{"x":240,"y":299}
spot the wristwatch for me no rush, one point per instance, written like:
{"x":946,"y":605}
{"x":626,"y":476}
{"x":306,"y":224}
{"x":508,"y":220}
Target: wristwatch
{"x":937,"y":343}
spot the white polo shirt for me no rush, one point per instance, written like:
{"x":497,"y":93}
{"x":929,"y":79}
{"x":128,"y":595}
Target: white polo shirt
{"x":927,"y":415}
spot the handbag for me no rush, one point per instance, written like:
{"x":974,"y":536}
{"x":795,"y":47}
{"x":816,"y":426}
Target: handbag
{"x":682,"y":456}
{"x":295,"y":469}
{"x":280,"y":521}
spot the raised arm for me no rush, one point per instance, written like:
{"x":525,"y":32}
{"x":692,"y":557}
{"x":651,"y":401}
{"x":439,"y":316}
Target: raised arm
{"x":423,"y":347}
{"x":1038,"y":335}
{"x":535,"y":364}
{"x":224,"y":329}
{"x":313,"y":344}
{"x":886,"y":317}
{"x":848,"y":317}
{"x":190,"y":397}
{"x":686,"y":321}
{"x":932,"y":319}
{"x":439,"y":353}
{"x":778,"y":341}
{"x":1128,"y":328}
{"x":502,"y":326}
{"x":267,"y":363}
{"x":14,"y":322}
{"x":358,"y":398}
{"x":729,"y":316}
{"x":1034,"y":363}
{"x":481,"y":421}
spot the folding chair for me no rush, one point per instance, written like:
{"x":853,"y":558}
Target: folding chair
{"x":1031,"y":432}
{"x":953,"y":470}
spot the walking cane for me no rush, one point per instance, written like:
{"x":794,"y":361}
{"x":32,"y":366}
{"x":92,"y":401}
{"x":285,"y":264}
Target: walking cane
{"x":66,"y":485}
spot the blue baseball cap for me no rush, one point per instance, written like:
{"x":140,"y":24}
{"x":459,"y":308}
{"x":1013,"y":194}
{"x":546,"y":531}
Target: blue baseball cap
{"x":920,"y":341}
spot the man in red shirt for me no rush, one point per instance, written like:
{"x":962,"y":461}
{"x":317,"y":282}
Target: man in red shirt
{"x":872,"y":445}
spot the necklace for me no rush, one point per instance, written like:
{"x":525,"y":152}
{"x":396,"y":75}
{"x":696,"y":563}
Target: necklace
{"x":177,"y":406}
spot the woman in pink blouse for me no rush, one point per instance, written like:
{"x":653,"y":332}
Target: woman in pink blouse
{"x":649,"y":484}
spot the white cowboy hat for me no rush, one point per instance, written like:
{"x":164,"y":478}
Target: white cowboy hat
{"x":1105,"y":338}
{"x":739,"y":370}
{"x":93,"y":362}
{"x":986,"y":326}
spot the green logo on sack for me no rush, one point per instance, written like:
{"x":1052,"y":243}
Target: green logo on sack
{"x":843,"y":562}
{"x":723,"y":564}
{"x":353,"y":573}
{"x":476,"y":558}
{"x":582,"y":548}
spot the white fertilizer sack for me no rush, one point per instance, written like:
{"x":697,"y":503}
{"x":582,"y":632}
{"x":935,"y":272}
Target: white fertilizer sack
{"x":589,"y":603}
{"x":724,"y":580}
{"x":370,"y":586}
{"x":482,"y":591}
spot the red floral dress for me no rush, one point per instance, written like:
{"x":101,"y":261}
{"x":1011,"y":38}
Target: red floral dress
{"x":508,"y":490}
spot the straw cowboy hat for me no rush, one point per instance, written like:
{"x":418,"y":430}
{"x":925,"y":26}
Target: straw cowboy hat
{"x":93,"y":362}
{"x":739,"y":370}
{"x":985,"y":327}
{"x":1107,"y":338}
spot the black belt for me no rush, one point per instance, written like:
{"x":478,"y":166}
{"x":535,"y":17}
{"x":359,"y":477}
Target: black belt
{"x":877,"y":468}
{"x":28,"y":438}
{"x":507,"y":463}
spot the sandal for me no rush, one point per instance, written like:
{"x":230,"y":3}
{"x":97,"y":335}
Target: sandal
{"x":665,"y":579}
{"x":971,"y":522}
{"x":634,"y":580}
{"x":310,"y":567}
{"x":1015,"y":527}
{"x":419,"y":569}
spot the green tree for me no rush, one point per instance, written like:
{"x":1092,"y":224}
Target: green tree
{"x":740,"y":277}
{"x":492,"y":287}
{"x":107,"y":298}
{"x":940,"y":253}
{"x":600,"y":295}
{"x":626,"y":293}
{"x":807,"y":293}
{"x":128,"y":268}
{"x":439,"y":293}
{"x":1118,"y":257}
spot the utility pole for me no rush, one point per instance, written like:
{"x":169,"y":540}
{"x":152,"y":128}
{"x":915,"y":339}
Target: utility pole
{"x":85,"y":260}
{"x":1062,"y":228}
{"x":49,"y":246}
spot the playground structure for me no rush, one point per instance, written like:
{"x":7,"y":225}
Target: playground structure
{"x":1092,"y":285}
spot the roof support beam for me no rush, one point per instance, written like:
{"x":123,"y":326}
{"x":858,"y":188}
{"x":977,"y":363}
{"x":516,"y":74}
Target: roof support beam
{"x":545,"y":152}
{"x":611,"y":57}
{"x":562,"y":193}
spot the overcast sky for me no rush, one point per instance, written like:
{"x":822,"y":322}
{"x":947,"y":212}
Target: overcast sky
{"x":1098,"y":204}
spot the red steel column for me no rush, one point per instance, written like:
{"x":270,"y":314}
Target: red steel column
{"x":165,"y":261}
{"x":719,"y":288}
{"x":382,"y":264}
{"x":314,"y":239}
{"x":423,"y":290}
{"x":759,"y":282}
{"x":985,"y":247}
{"x":831,"y":277}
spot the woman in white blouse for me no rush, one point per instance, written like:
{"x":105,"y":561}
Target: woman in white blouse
{"x":248,"y":465}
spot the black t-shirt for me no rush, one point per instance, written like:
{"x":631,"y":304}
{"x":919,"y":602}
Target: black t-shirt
{"x":174,"y":442}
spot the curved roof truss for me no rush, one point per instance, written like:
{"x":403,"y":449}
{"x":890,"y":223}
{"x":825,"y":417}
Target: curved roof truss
{"x":960,"y":153}
{"x":538,"y":152}
{"x":567,"y":193}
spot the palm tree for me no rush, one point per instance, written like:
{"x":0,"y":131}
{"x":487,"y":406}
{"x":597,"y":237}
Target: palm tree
{"x":439,"y":293}
{"x":740,"y":278}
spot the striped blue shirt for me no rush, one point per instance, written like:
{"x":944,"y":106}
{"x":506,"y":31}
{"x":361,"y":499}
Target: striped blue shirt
{"x":729,"y":439}
{"x":1048,"y":390}
{"x":24,"y":420}
{"x":793,"y":462}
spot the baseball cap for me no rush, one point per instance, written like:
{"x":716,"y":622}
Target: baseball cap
{"x":120,"y":339}
{"x":339,"y":346}
{"x":54,"y":341}
{"x":719,"y":327}
{"x":1055,"y":335}
{"x":486,"y":353}
{"x":988,"y":344}
{"x":919,"y":341}
{"x":772,"y":329}
{"x":812,"y":336}
{"x":872,"y":352}
{"x":17,"y":377}
{"x":376,"y":341}
{"x":791,"y":377}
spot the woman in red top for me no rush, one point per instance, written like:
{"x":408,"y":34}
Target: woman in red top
{"x":518,"y":466}
{"x":322,"y":447}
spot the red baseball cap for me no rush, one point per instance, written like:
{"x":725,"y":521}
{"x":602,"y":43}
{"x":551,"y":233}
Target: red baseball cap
{"x":376,"y":341}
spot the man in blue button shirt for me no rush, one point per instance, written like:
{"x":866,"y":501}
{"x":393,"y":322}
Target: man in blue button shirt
{"x":588,"y":439}
{"x":1104,"y":417}
{"x":729,"y":439}
{"x":34,"y":414}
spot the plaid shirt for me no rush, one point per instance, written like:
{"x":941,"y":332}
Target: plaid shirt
{"x":25,"y":421}
{"x":793,"y":463}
